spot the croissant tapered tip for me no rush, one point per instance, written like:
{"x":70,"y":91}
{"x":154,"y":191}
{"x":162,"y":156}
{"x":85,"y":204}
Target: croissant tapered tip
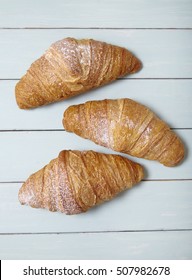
{"x":22,"y":95}
{"x":28,"y":193}
{"x":21,"y":197}
{"x":70,"y":117}
{"x":137,"y":65}
{"x":169,"y":158}
{"x":141,"y":172}
{"x":18,"y":96}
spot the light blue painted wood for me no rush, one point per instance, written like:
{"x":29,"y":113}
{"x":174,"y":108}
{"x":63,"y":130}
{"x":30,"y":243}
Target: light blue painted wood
{"x":142,"y":245}
{"x":151,"y":205}
{"x":170,"y":99}
{"x":157,"y":205}
{"x":164,"y":53}
{"x":96,"y":13}
{"x":23,"y":153}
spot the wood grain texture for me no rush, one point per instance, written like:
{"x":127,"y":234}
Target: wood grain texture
{"x":154,"y":205}
{"x":170,"y":99}
{"x":23,"y":153}
{"x":105,"y":13}
{"x":164,"y":53}
{"x":137,"y":245}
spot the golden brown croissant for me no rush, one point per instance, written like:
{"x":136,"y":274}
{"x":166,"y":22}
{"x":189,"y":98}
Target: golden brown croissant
{"x":125,"y":126}
{"x":76,"y":181}
{"x":70,"y":67}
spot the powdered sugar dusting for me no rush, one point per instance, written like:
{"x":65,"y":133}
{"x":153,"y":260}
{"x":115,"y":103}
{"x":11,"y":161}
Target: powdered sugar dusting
{"x":70,"y":205}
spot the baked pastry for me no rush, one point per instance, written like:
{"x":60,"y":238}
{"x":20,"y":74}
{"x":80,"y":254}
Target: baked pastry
{"x":125,"y":126}
{"x":70,"y":67}
{"x":77,"y":181}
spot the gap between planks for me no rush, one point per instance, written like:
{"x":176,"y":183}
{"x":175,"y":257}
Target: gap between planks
{"x":98,"y":28}
{"x":144,"y":180}
{"x":97,"y":232}
{"x":124,"y":78}
{"x":63,"y":130}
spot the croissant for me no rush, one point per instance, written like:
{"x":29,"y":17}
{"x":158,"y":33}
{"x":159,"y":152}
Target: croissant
{"x":77,"y":181}
{"x":70,"y":67}
{"x":125,"y":126}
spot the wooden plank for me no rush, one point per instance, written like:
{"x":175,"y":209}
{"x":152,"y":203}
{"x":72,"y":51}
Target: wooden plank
{"x":23,"y":153}
{"x":164,"y":53}
{"x":142,"y":245}
{"x":157,"y":205}
{"x":105,"y":13}
{"x":170,"y":99}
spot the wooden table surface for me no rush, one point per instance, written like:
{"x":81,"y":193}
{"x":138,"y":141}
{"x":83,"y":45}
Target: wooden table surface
{"x":154,"y":219}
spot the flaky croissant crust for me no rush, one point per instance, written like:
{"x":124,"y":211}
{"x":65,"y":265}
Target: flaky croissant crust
{"x":70,"y":67}
{"x":125,"y":126}
{"x":76,"y":181}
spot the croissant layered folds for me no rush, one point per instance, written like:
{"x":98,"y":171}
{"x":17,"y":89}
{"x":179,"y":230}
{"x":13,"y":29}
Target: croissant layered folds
{"x":125,"y":126}
{"x":70,"y":67}
{"x":76,"y":181}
